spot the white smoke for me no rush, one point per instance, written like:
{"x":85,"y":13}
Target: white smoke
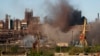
{"x":55,"y":35}
{"x":28,"y":41}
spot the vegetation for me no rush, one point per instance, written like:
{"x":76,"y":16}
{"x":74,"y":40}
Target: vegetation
{"x":94,"y":49}
{"x":62,"y":49}
{"x":76,"y":50}
{"x":50,"y":51}
{"x":14,"y":49}
{"x":45,"y":52}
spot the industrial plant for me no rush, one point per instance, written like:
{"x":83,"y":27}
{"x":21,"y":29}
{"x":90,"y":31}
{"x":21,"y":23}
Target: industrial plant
{"x":63,"y":31}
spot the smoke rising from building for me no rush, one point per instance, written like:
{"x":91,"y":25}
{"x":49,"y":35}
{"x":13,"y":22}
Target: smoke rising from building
{"x":63,"y":15}
{"x":61,"y":22}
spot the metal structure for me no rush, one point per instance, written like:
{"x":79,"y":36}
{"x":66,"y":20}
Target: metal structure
{"x":83,"y":41}
{"x":36,"y":44}
{"x":10,"y":36}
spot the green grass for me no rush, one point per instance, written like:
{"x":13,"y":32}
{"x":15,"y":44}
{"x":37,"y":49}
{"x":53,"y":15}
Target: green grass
{"x":51,"y":51}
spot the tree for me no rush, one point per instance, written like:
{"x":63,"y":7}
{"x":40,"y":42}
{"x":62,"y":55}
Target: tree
{"x":76,"y":50}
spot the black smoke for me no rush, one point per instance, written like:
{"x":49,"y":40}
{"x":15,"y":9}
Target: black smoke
{"x":63,"y":15}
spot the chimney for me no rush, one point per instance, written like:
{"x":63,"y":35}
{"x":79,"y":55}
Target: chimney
{"x":98,"y":16}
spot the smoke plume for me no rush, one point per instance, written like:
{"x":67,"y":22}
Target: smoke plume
{"x":63,"y":15}
{"x":61,"y":22}
{"x":93,"y":36}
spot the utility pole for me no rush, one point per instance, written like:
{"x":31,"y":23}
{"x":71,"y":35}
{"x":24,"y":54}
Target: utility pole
{"x":38,"y":43}
{"x":6,"y":44}
{"x":72,"y":39}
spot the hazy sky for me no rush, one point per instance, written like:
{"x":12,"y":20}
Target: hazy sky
{"x":16,"y":8}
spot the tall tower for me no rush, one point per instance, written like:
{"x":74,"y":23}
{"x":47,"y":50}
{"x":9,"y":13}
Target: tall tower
{"x":7,"y":21}
{"x":28,"y":15}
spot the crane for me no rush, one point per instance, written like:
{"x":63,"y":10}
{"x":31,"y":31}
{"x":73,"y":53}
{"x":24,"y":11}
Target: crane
{"x":83,"y":41}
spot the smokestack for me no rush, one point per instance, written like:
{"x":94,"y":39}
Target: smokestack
{"x":98,"y":15}
{"x":7,"y":21}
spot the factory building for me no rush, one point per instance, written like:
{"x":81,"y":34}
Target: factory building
{"x":29,"y":21}
{"x":13,"y":29}
{"x":36,"y":20}
{"x":11,"y":24}
{"x":1,"y":24}
{"x":28,"y":15}
{"x":17,"y":25}
{"x":24,"y":25}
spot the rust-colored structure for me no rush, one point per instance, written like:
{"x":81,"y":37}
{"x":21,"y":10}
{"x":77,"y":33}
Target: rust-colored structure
{"x":14,"y":28}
